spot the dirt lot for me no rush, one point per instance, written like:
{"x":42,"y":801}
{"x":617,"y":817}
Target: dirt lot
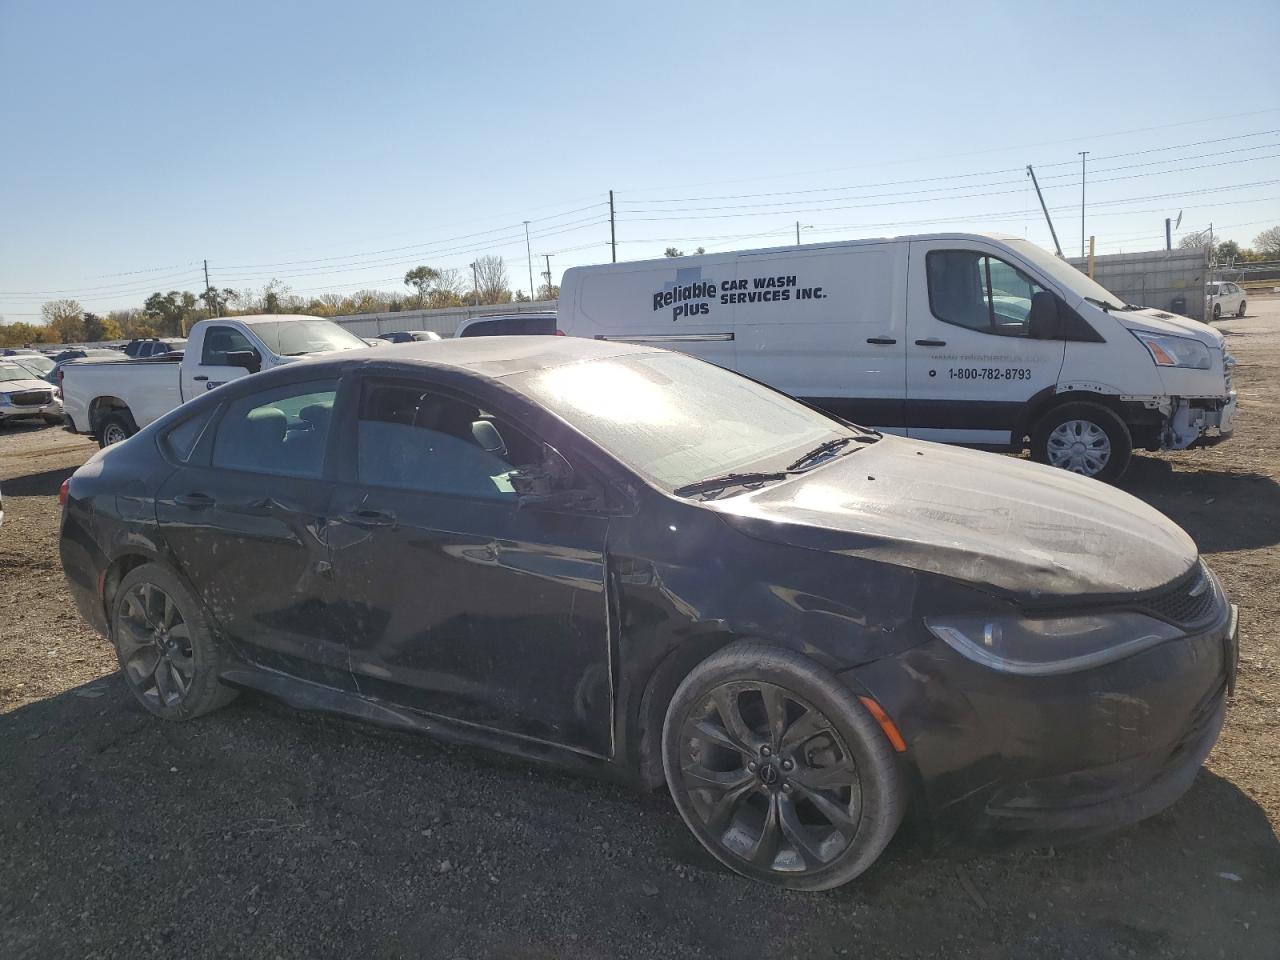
{"x":263,"y":832}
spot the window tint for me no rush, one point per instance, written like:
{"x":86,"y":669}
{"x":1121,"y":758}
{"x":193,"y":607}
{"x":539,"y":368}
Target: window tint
{"x":512,"y":327}
{"x":218,"y":342}
{"x":281,"y":431}
{"x":971,"y":289}
{"x":182,"y":439}
{"x":418,"y":439}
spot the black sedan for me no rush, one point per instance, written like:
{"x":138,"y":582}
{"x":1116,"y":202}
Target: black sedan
{"x":623,"y":559}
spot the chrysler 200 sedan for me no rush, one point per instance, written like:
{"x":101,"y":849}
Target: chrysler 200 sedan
{"x":623,"y":559}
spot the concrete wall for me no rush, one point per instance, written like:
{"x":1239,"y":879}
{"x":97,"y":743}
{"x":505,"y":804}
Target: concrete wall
{"x":443,"y":322}
{"x":1154,"y":279}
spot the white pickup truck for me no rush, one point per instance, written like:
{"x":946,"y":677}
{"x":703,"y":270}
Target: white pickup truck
{"x":113,"y":399}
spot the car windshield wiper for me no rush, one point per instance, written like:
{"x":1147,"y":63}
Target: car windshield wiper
{"x":712,"y":484}
{"x":828,"y":446}
{"x":1101,"y":303}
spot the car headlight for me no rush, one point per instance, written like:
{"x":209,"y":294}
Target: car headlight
{"x":1051,"y":645}
{"x":1169,"y":351}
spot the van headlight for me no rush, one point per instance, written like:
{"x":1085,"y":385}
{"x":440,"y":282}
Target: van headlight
{"x":1047,"y":646}
{"x":1170,"y":351}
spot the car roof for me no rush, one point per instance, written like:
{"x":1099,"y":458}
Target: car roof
{"x":490,"y":356}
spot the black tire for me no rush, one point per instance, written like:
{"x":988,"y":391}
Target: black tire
{"x":115,"y":427}
{"x":1217,"y":311}
{"x":790,"y":777}
{"x":177,"y":679}
{"x":1046,"y":444}
{"x":1240,"y":312}
{"x":53,"y":421}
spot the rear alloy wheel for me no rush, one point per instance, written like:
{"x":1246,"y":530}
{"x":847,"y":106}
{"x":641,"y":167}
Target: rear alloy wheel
{"x":164,"y":645}
{"x":1240,"y":312}
{"x":1084,"y":438}
{"x":778,"y":770}
{"x":1217,"y":311}
{"x":115,"y":428}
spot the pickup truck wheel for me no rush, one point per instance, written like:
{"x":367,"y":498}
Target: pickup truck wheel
{"x":1085,"y":438}
{"x":115,"y":427}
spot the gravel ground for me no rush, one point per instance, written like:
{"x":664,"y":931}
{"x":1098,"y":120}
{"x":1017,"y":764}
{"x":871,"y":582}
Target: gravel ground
{"x":265,"y":832}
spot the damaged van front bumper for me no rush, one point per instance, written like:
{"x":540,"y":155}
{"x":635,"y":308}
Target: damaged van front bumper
{"x":1000,"y":758}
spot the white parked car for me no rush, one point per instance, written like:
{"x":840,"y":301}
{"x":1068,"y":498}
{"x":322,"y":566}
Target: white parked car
{"x":1223,"y":299}
{"x":24,"y":396}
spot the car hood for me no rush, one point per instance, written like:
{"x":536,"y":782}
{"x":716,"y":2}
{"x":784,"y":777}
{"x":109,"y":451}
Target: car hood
{"x":21,"y":386}
{"x":990,"y":520}
{"x":1150,"y":320}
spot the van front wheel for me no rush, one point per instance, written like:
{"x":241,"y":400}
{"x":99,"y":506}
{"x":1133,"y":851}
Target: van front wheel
{"x":1085,"y":438}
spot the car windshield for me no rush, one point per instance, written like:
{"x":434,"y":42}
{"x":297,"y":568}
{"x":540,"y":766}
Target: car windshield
{"x":13,"y":372}
{"x":35,"y":362}
{"x":293,"y":338}
{"x":1065,"y":274}
{"x":676,"y":420}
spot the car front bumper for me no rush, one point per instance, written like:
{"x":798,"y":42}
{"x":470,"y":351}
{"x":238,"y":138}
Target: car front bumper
{"x":999,"y":758}
{"x":16,"y":411}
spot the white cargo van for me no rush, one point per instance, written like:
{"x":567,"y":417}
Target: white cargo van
{"x":964,"y":338}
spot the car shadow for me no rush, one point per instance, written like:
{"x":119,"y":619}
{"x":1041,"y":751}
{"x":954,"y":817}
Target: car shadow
{"x":331,"y":819}
{"x":36,"y":484}
{"x":1207,"y":503}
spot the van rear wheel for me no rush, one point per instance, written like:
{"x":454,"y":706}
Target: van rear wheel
{"x":1085,"y":438}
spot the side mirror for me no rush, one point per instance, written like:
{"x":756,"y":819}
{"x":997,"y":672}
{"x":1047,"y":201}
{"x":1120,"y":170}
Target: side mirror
{"x":1043,"y":322}
{"x":548,"y":482}
{"x":251,"y":360}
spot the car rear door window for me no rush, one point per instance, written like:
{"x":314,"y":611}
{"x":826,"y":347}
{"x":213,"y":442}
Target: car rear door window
{"x":281,"y":431}
{"x":414,"y":438}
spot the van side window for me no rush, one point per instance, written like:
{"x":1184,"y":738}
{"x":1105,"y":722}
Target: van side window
{"x":980,"y":292}
{"x":218,"y":342}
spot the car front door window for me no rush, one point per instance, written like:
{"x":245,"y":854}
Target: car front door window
{"x":974,"y":290}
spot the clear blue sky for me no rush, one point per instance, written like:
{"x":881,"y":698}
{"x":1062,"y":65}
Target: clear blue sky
{"x":365,"y":138}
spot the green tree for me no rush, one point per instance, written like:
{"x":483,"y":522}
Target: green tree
{"x":1228,"y":250}
{"x":170,"y":312}
{"x":215,"y":300}
{"x":423,"y":279}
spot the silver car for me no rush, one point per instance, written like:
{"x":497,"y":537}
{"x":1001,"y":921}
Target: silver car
{"x":23,"y":396}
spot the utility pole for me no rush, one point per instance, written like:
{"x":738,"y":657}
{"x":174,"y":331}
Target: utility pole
{"x":217,"y":307}
{"x":613,"y":232}
{"x":797,"y":233}
{"x":1168,"y":234}
{"x":548,"y":273}
{"x":1083,"y":155}
{"x":1047,"y":219}
{"x":529,"y":253}
{"x":475,"y":283}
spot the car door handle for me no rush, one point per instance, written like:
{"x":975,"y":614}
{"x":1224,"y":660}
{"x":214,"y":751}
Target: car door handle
{"x":368,"y":518}
{"x":201,"y":377}
{"x":931,"y":342}
{"x":196,"y":501}
{"x":884,"y":341}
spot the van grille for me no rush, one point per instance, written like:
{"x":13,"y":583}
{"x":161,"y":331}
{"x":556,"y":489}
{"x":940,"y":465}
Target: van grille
{"x":1189,"y":601}
{"x":31,"y":398}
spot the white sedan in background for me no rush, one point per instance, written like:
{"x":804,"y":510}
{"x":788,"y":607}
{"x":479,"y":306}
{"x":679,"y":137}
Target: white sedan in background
{"x":1223,"y":299}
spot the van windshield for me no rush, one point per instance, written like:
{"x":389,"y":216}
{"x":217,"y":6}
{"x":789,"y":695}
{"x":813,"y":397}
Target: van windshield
{"x":1065,"y":274}
{"x":676,"y":420}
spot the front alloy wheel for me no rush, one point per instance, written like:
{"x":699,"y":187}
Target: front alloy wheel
{"x":778,"y":770}
{"x":770,"y":777}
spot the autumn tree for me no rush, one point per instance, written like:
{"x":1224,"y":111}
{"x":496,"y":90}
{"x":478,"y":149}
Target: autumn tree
{"x":215,"y":300}
{"x":64,"y":320}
